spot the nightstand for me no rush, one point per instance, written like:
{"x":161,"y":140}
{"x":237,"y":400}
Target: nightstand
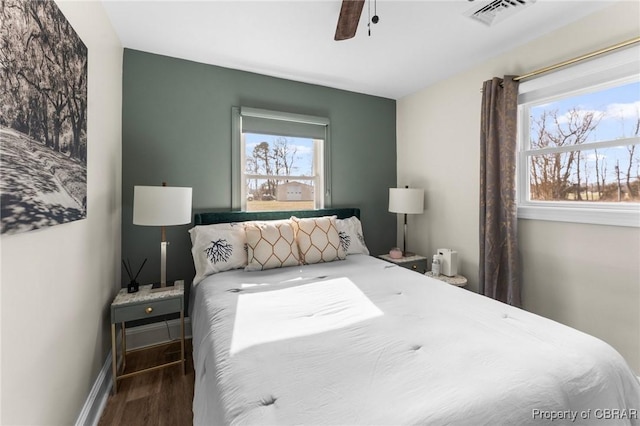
{"x":457,"y":280}
{"x":140,"y":305}
{"x":415,"y":263}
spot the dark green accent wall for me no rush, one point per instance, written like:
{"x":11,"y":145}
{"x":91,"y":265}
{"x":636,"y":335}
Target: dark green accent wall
{"x":176,"y":127}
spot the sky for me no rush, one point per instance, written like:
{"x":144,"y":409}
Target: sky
{"x":618,"y":106}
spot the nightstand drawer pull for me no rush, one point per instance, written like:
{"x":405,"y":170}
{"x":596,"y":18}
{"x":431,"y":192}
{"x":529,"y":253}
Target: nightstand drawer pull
{"x":149,"y":310}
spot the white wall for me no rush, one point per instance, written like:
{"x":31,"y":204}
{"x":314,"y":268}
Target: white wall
{"x":57,"y":283}
{"x":585,"y":276}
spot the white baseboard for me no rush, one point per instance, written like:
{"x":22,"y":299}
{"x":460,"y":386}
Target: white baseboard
{"x":137,"y":338}
{"x":97,"y":399}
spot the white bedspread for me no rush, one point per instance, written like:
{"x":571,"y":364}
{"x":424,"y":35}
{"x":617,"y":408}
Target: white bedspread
{"x":363,"y":341}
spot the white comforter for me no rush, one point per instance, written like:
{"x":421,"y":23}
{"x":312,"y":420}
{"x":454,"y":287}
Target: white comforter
{"x":362,"y":341}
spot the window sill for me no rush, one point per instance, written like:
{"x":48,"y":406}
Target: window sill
{"x":597,"y":216}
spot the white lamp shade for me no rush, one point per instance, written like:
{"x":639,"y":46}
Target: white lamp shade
{"x":406,"y":200}
{"x":161,"y":205}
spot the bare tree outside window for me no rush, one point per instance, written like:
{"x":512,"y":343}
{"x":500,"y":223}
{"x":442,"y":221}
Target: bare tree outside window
{"x":584,"y":148}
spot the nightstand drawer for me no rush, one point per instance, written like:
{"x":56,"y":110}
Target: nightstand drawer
{"x":414,"y":262}
{"x":417,"y":265}
{"x":148,"y":309}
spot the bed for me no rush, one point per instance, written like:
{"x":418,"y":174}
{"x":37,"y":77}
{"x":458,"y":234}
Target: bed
{"x":361,"y":341}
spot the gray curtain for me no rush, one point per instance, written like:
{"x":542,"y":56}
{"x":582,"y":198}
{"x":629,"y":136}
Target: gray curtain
{"x":499,"y":264}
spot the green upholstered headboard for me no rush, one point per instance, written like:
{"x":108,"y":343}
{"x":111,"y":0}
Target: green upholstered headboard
{"x":210,"y":218}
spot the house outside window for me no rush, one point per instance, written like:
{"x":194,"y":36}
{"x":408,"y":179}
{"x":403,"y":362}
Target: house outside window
{"x":280,"y":161}
{"x":579,"y":143}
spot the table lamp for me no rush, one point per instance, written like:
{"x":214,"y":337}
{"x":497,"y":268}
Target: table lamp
{"x":406,"y":201}
{"x":161,"y":206}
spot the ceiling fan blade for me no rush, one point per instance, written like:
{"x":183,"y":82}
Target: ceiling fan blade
{"x":350,"y":12}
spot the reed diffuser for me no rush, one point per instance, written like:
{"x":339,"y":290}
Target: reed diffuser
{"x":133,"y":285}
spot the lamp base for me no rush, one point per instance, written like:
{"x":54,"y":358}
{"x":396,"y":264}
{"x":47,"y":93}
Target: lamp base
{"x":408,"y":254}
{"x":157,"y":287}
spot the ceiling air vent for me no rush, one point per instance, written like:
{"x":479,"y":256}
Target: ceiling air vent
{"x":490,"y":13}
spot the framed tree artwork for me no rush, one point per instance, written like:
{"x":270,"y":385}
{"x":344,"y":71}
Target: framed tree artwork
{"x":43,"y":117}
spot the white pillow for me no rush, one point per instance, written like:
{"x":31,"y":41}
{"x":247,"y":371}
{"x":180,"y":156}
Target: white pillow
{"x":216,"y":249}
{"x":271,"y":245}
{"x":219,"y":226}
{"x":351,"y":236}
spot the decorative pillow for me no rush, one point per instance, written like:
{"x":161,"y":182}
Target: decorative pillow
{"x":318,"y":240}
{"x":218,"y":226}
{"x":216,"y":250}
{"x":351,"y":236}
{"x":271,"y":245}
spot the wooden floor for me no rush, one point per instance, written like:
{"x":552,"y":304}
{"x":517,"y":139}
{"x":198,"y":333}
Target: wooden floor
{"x":161,"y":397}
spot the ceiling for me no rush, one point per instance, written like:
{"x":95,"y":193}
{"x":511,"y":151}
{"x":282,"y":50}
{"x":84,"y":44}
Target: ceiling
{"x":415,"y":44}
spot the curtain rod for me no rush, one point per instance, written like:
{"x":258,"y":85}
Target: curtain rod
{"x":577,"y":59}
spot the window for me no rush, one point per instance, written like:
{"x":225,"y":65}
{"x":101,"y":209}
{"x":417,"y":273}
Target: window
{"x":579,"y":139}
{"x":279,"y":161}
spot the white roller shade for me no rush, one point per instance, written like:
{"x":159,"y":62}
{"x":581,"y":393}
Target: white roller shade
{"x":283,"y":124}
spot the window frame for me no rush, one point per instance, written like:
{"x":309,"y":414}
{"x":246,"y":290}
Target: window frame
{"x":322,"y":192}
{"x":598,"y":74}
